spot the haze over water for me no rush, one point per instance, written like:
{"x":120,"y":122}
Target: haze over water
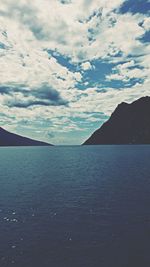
{"x":81,"y":206}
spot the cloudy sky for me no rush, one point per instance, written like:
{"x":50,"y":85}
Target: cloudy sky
{"x":66,"y":64}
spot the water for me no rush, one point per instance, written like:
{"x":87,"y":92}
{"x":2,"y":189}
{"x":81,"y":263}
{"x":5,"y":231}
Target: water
{"x":75,"y":206}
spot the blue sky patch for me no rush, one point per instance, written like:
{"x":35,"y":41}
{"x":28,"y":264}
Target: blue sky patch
{"x":136,"y":6}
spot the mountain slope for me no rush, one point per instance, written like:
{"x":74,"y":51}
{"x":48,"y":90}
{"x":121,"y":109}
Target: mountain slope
{"x":10,"y":139}
{"x":128,"y":124}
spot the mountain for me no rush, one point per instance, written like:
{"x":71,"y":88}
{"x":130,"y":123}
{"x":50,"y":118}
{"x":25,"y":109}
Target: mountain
{"x":128,"y":124}
{"x":10,"y":139}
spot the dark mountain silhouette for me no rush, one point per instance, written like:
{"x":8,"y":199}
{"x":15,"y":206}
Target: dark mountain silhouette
{"x":10,"y":139}
{"x":128,"y":124}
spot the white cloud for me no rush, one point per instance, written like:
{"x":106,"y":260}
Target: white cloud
{"x":80,"y":31}
{"x":54,"y":25}
{"x":86,"y":66}
{"x":146,"y":23}
{"x":131,"y":70}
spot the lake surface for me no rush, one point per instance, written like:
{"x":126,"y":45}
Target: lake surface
{"x":75,"y":206}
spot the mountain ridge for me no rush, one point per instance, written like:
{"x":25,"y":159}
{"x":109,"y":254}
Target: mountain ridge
{"x":128,"y":124}
{"x":12,"y":139}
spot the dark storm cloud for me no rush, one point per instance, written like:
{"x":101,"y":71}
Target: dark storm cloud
{"x":43,"y":96}
{"x":4,"y":90}
{"x":45,"y":92}
{"x":65,"y":1}
{"x":29,"y":103}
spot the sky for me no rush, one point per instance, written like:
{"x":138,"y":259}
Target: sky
{"x":66,"y":64}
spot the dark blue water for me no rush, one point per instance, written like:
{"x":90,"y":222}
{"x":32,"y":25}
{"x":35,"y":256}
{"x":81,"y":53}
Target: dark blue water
{"x":75,"y":206}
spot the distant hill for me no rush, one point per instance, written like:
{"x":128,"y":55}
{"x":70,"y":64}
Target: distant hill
{"x":10,"y":139}
{"x":128,"y":124}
